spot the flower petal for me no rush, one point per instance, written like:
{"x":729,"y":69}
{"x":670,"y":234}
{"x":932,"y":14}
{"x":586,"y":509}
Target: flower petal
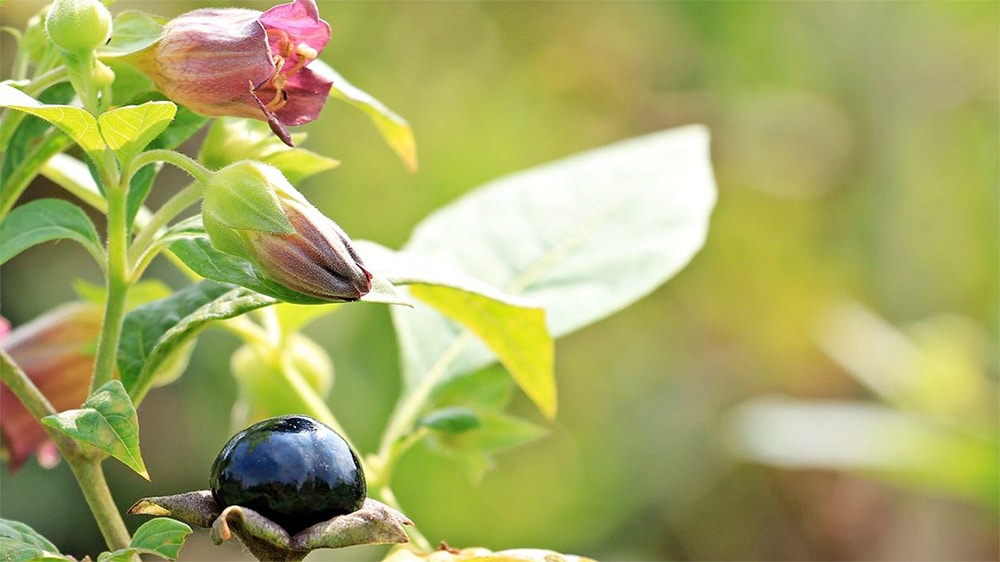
{"x":300,"y":20}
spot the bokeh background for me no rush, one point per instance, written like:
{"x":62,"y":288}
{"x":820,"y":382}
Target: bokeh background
{"x":855,"y":243}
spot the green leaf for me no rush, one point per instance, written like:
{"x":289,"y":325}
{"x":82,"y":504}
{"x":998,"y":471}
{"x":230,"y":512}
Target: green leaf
{"x":394,"y":129}
{"x":107,"y":421}
{"x":453,"y":419}
{"x":21,"y":543}
{"x":198,"y":253}
{"x":153,"y":332}
{"x":133,"y":32}
{"x":29,"y":146}
{"x":230,"y":139}
{"x":583,"y":237}
{"x":162,"y":536}
{"x":74,"y":121}
{"x":45,"y":220}
{"x":128,"y":130}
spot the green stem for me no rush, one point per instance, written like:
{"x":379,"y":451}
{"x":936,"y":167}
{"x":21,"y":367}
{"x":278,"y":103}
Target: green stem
{"x":90,"y":475}
{"x":118,"y":286}
{"x":200,"y":173}
{"x":46,"y":80}
{"x":409,"y":407}
{"x":140,"y":252}
{"x":85,"y":465}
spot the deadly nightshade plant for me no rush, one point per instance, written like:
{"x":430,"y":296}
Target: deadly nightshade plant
{"x":493,"y":277}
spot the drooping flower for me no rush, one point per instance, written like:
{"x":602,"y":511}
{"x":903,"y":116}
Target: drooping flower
{"x":56,"y":350}
{"x":251,"y":210}
{"x":243,"y":63}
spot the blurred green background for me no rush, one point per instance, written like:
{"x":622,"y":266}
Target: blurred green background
{"x":856,"y":152}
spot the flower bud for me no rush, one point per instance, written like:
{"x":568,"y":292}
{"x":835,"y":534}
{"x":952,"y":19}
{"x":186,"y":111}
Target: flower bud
{"x":243,"y":63}
{"x":78,"y":26}
{"x":56,"y":351}
{"x":251,"y":211}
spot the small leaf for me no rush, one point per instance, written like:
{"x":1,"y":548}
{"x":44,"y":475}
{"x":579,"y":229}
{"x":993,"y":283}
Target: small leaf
{"x":45,"y":220}
{"x":128,"y":130}
{"x":161,"y":536}
{"x":453,"y":419}
{"x":107,"y":421}
{"x":154,"y":331}
{"x":394,"y":129}
{"x":474,"y":449}
{"x":74,"y":121}
{"x":21,"y":543}
{"x":133,"y":32}
{"x":198,"y":253}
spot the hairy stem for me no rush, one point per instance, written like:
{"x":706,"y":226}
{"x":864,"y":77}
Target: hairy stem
{"x":118,"y":287}
{"x":140,"y":251}
{"x":90,"y":475}
{"x":182,"y":161}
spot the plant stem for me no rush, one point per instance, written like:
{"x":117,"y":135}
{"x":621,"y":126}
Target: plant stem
{"x":141,"y":245}
{"x":200,"y":173}
{"x":118,"y":286}
{"x":86,"y":467}
{"x":90,"y":475}
{"x":409,"y":407}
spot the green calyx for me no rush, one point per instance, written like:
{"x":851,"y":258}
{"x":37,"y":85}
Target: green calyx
{"x":244,"y":196}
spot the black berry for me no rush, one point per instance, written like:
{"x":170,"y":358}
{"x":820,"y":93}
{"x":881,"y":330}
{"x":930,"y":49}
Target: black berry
{"x":291,"y":469}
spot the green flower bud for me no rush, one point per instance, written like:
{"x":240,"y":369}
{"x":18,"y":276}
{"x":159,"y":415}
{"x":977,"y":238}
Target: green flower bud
{"x":78,"y":26}
{"x":251,"y":211}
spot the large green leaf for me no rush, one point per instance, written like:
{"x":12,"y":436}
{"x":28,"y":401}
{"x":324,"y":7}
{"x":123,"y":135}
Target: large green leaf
{"x":128,"y":130}
{"x":153,"y":332}
{"x":582,"y":237}
{"x":45,"y":220}
{"x":74,"y":121}
{"x":107,"y":421}
{"x":21,"y":543}
{"x":162,"y":537}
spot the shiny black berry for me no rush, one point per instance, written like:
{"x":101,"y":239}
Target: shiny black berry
{"x":291,"y":469}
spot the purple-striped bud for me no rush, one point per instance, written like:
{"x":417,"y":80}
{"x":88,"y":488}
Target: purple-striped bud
{"x":252,"y":211}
